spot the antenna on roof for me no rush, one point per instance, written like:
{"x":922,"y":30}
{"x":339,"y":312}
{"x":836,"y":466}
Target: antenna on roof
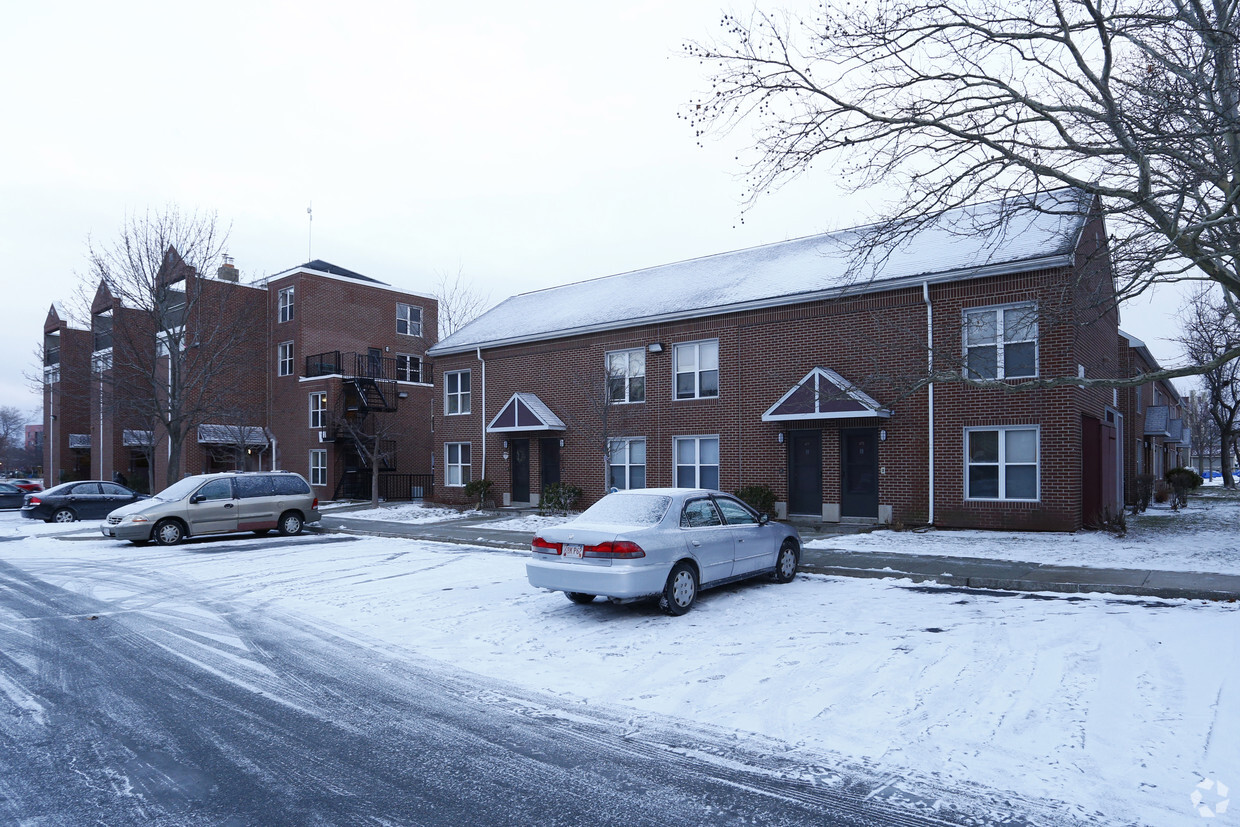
{"x":310,"y":232}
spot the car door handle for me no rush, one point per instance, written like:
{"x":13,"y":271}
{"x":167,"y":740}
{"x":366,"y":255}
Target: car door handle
{"x":228,"y":505}
{"x":696,"y":543}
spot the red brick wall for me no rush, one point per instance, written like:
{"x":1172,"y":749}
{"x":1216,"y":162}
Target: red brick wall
{"x":876,"y":341}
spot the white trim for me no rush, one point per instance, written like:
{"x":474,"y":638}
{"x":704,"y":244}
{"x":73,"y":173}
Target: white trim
{"x":447,"y":465}
{"x":608,"y":376}
{"x":697,"y":459}
{"x":1002,"y":464}
{"x":321,"y":412}
{"x":853,"y":392}
{"x":292,"y":359}
{"x":310,"y":477}
{"x":458,"y":393}
{"x":1001,"y":344}
{"x":291,"y":292}
{"x":697,"y":369}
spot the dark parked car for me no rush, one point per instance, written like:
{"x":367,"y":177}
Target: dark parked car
{"x":89,"y":500}
{"x":11,"y":496}
{"x":29,"y":486}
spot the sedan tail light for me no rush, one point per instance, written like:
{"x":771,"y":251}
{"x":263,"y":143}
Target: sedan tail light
{"x":34,"y":500}
{"x":541,"y":546}
{"x":613,"y":549}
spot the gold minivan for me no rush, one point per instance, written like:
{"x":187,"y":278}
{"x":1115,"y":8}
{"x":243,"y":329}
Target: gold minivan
{"x":258,"y":501}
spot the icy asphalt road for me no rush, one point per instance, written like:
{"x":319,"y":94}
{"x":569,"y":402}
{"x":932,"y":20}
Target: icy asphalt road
{"x":330,"y":679}
{"x":184,"y":709}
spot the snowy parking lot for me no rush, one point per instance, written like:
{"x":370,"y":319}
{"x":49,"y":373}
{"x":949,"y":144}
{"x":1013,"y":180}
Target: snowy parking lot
{"x":1117,"y":707}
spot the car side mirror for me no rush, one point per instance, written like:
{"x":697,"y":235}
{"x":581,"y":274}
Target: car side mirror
{"x":197,"y":498}
{"x":763,"y":519}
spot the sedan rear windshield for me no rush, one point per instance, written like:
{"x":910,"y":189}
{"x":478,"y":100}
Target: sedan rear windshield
{"x":627,"y":509}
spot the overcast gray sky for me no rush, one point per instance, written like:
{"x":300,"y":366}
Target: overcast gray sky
{"x":524,"y":144}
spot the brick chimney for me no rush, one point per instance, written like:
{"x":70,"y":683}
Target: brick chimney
{"x":227,"y":271}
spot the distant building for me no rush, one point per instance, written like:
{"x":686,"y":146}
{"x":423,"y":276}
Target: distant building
{"x":325,"y":365}
{"x":34,"y":437}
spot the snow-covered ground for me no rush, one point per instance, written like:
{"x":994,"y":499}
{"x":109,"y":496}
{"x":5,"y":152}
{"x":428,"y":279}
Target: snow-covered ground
{"x":411,"y":513}
{"x":1205,"y":536}
{"x":1118,"y":706}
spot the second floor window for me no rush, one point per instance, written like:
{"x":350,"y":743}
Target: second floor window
{"x":456,"y":392}
{"x":318,"y":409}
{"x":626,"y":376}
{"x":286,"y":304}
{"x":408,"y":319}
{"x":408,"y":368}
{"x":1001,"y":342}
{"x":697,"y":369}
{"x":284,"y":359}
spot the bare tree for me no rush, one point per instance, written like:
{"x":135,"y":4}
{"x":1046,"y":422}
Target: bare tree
{"x":948,"y":102}
{"x":599,"y":412}
{"x":186,"y":339}
{"x":374,"y":437}
{"x":459,"y":302}
{"x":1202,"y":430}
{"x":1208,"y":329}
{"x":12,"y":436}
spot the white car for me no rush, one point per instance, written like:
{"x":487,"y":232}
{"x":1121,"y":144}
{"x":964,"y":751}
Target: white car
{"x":661,"y":542}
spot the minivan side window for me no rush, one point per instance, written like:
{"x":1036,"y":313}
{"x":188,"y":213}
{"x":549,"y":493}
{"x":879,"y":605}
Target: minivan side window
{"x":256,"y":486}
{"x":216,"y":490}
{"x":288,"y":485}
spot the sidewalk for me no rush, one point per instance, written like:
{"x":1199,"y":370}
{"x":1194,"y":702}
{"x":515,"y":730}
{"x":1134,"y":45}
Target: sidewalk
{"x":965,"y":572}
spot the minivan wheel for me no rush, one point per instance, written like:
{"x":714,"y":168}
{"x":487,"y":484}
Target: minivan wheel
{"x":168,"y":532}
{"x":786,"y":562}
{"x":290,"y":523}
{"x":580,"y":597}
{"x":64,"y":515}
{"x":680,"y":591}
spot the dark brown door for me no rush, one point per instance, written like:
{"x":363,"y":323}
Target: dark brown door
{"x":549,"y":458}
{"x":805,"y":472}
{"x":859,"y":473}
{"x":520,"y":453}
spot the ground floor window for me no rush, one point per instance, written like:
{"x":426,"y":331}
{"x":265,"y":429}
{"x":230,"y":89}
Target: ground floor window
{"x":318,"y":466}
{"x":1002,"y":463}
{"x":456,"y":463}
{"x":627,"y":464}
{"x":697,"y":461}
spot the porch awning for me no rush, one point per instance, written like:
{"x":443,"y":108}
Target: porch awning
{"x":824,"y":394}
{"x":525,"y":412}
{"x":131,"y":439}
{"x":79,"y":440}
{"x":232,"y":435}
{"x":1157,"y":420}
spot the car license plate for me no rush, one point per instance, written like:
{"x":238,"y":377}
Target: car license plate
{"x":573,"y":550}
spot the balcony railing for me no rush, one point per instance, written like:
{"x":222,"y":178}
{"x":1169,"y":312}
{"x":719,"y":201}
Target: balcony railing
{"x":350,"y":365}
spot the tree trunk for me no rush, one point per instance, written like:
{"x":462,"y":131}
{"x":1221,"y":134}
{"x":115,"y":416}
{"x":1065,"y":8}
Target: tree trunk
{"x":1227,"y":443}
{"x":374,"y":480}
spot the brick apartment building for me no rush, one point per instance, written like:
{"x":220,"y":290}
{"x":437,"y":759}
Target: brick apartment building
{"x":781,"y":366}
{"x":317,"y":370}
{"x":1156,"y":437}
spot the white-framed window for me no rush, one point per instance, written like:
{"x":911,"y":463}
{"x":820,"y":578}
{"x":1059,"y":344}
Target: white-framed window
{"x":101,"y":362}
{"x":51,"y":374}
{"x":627,"y":463}
{"x":1002,"y":463}
{"x":696,"y":461}
{"x":318,"y":409}
{"x":456,"y":392}
{"x":626,"y":375}
{"x":408,"y":368}
{"x":1001,"y":342}
{"x":318,"y":466}
{"x":284,"y":359}
{"x":408,"y":319}
{"x":286,"y":304}
{"x":456,"y":463}
{"x":696,"y":369}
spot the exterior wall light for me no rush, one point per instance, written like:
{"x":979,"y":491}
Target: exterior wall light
{"x":655,"y":347}
{"x":882,"y":436}
{"x":780,"y":437}
{"x":561,"y":443}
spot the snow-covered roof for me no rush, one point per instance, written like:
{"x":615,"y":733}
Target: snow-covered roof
{"x":970,"y":242}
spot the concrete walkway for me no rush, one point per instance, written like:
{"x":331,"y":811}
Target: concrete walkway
{"x":965,"y":572}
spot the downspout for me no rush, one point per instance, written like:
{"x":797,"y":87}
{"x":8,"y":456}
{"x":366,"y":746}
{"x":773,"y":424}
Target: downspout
{"x":484,"y":415}
{"x":275,"y":445}
{"x":925,"y":293}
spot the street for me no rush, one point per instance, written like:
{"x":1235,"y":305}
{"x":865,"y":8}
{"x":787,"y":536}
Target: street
{"x":341,"y":680}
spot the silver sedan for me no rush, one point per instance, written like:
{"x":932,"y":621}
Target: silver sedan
{"x":661,"y":542}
